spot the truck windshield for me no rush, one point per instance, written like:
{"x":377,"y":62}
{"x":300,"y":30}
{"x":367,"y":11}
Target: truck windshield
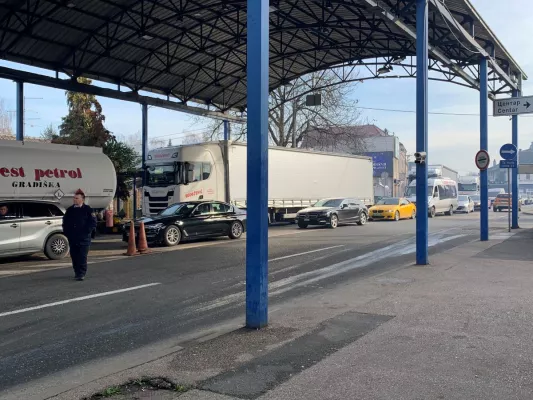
{"x":468,"y":187}
{"x":178,"y":174}
{"x":161,"y":175}
{"x":411,"y":191}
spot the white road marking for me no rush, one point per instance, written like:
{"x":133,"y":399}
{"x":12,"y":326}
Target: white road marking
{"x":304,"y":253}
{"x":92,"y":296}
{"x":278,"y":287}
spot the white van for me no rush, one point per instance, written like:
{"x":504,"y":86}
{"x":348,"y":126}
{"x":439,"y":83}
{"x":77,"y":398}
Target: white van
{"x":442,"y":196}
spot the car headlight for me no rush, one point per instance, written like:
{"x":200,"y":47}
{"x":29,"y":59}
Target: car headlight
{"x":155,"y":227}
{"x":390,"y":210}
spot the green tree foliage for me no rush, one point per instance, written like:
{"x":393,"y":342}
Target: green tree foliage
{"x":84,"y":126}
{"x":49,"y":133}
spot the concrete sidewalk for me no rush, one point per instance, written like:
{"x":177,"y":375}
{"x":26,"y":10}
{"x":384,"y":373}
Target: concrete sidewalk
{"x":458,"y":329}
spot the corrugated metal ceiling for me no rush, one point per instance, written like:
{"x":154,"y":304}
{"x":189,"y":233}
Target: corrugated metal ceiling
{"x":195,"y":50}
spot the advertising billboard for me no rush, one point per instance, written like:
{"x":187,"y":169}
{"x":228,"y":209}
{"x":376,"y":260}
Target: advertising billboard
{"x":382,"y":162}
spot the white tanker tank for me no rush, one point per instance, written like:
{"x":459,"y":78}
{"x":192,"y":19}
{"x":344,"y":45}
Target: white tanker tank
{"x":44,"y":171}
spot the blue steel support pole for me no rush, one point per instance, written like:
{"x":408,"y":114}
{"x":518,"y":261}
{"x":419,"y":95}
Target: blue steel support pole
{"x":514,"y":172}
{"x":257,"y":168}
{"x":484,"y":145}
{"x":422,"y":131}
{"x":144,"y":140}
{"x":20,"y":110}
{"x":226,"y":129}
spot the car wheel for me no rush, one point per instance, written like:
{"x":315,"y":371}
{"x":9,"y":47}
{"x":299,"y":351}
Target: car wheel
{"x":236,"y":230}
{"x":302,"y":225}
{"x":56,"y":247}
{"x":432,"y":212}
{"x":413,"y":214}
{"x":333,"y":221}
{"x":362,"y":219}
{"x":396,"y":216}
{"x":171,"y":235}
{"x":494,"y":209}
{"x":450,"y":211}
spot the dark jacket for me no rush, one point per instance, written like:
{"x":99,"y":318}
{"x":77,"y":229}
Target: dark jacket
{"x":78,"y":224}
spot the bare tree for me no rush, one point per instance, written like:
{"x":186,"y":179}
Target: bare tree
{"x":156,"y":143}
{"x":194,"y":138}
{"x":291,"y":120}
{"x":6,"y":126}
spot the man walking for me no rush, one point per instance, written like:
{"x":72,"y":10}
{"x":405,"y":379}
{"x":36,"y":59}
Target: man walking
{"x":78,"y":224}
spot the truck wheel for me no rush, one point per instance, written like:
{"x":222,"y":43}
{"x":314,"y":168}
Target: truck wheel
{"x":302,"y":225}
{"x":432,"y":212}
{"x":235,"y":231}
{"x":171,"y":235}
{"x":362,"y":219}
{"x":56,"y":247}
{"x":333,"y":221}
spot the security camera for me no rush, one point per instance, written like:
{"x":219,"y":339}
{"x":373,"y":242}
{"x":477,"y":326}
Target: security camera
{"x":420,"y":158}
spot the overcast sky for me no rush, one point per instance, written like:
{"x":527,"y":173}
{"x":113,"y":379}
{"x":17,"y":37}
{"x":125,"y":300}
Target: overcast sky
{"x":453,"y":140}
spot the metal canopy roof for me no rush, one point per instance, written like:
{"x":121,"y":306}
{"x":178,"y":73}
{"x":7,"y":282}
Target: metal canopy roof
{"x":195,"y":50}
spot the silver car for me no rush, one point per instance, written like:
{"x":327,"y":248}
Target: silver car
{"x":465,"y":204}
{"x":32,"y":226}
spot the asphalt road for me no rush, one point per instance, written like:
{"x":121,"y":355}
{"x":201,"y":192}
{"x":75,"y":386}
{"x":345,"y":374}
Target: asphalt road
{"x":50,"y":323}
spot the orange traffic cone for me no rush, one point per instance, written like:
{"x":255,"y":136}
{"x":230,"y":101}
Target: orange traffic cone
{"x":131,"y":242}
{"x":143,"y":244}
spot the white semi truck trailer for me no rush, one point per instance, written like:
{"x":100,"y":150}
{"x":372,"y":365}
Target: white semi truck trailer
{"x":297,"y":178}
{"x":44,"y":171}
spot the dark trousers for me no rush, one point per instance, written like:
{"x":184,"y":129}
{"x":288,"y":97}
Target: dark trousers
{"x":78,"y":253}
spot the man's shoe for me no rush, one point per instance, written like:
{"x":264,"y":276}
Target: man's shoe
{"x":79,"y":278}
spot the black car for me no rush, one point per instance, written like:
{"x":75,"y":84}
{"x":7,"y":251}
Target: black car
{"x":332,"y":212}
{"x":192,"y":220}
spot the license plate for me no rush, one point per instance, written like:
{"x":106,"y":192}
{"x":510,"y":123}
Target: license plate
{"x":306,"y":219}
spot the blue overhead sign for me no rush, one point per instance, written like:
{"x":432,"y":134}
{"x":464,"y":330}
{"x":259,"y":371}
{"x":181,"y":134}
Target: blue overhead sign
{"x":383,"y":162}
{"x":508,"y":164}
{"x":508,"y":151}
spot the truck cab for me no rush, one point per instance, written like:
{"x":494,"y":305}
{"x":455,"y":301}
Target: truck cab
{"x":181,"y":173}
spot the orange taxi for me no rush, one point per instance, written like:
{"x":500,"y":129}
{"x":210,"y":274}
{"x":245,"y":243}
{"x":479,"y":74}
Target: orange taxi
{"x":392,"y":208}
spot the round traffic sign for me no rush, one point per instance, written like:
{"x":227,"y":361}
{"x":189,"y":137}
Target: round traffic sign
{"x":508,"y":151}
{"x":482,"y":160}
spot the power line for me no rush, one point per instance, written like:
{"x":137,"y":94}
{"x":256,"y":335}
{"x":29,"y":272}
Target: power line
{"x":430,"y":112}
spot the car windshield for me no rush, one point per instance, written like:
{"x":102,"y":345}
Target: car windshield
{"x":329,"y":203}
{"x":463,"y":198}
{"x":389,"y":202}
{"x":177,"y":209}
{"x":476,"y":198}
{"x":411,"y":191}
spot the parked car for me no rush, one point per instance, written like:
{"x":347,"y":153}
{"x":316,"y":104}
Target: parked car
{"x":191,"y":220}
{"x":392,"y":208}
{"x":32,"y":226}
{"x":465,"y":204}
{"x":332,"y":212}
{"x":502,"y":202}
